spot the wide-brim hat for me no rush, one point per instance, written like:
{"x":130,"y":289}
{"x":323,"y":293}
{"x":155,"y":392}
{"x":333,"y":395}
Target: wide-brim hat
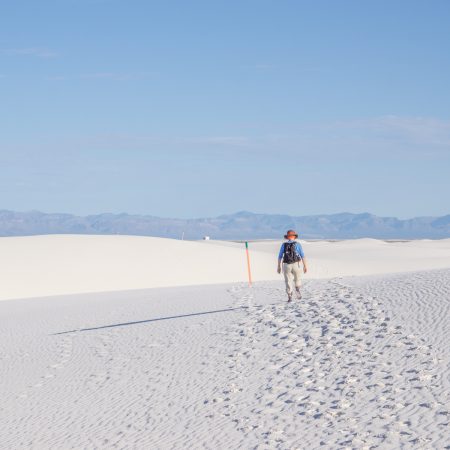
{"x":291,"y":232}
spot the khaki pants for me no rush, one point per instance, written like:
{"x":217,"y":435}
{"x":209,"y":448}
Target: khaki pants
{"x":292,"y":273}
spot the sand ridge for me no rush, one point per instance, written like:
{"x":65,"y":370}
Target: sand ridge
{"x":36,"y":266}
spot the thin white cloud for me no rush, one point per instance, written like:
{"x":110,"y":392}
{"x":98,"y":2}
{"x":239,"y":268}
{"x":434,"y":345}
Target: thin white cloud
{"x":56,"y":78}
{"x":261,"y":66}
{"x":397,"y":129}
{"x":115,"y":76}
{"x":136,"y":141}
{"x":389,"y":138}
{"x":232,"y":141}
{"x":421,"y":129}
{"x":38,"y":52}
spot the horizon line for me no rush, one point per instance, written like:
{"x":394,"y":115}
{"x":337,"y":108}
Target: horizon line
{"x":222,"y":215}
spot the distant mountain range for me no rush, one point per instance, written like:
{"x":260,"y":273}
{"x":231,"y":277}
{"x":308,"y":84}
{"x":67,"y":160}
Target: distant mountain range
{"x":241,"y":225}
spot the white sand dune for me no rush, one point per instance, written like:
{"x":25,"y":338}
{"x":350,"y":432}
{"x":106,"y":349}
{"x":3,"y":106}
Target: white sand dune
{"x":68,"y":264}
{"x":358,"y":363}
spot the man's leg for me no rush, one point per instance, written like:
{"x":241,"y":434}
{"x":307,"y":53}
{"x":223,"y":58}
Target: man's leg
{"x":287,"y":271}
{"x":297,"y":278}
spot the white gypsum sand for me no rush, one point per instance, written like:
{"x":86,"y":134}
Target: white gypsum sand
{"x":360,"y":362}
{"x":357,"y":363}
{"x":36,"y":266}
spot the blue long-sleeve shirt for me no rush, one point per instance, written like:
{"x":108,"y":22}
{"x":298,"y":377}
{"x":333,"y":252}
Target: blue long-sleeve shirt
{"x":298,"y":250}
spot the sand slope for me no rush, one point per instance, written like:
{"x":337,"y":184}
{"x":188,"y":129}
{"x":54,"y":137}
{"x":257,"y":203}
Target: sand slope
{"x":226,"y":366}
{"x":67,"y":264}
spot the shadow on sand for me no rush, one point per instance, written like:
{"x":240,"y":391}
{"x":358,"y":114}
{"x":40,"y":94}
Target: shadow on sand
{"x":124,"y":324}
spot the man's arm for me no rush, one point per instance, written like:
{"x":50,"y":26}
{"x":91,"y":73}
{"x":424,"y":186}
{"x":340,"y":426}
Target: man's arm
{"x":280,"y":258}
{"x":305,"y":267}
{"x":302,"y":255}
{"x":279,"y":265}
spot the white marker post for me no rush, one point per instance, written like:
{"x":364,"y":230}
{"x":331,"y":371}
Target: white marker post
{"x":248,"y":265}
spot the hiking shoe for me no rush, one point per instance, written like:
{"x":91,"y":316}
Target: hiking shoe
{"x":289,"y":298}
{"x":299,"y":294}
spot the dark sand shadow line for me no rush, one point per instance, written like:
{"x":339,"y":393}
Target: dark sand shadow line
{"x":151,"y":320}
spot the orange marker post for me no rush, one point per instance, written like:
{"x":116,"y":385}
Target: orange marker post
{"x":248,"y":265}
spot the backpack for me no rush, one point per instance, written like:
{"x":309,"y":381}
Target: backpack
{"x":290,"y":254}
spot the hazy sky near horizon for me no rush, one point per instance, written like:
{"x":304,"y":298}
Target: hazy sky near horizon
{"x":197,"y":108}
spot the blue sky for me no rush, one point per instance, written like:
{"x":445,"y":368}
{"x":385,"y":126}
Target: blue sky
{"x":198,"y":108}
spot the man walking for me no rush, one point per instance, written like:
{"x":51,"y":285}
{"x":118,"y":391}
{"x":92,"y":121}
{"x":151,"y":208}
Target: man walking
{"x":291,"y":253}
